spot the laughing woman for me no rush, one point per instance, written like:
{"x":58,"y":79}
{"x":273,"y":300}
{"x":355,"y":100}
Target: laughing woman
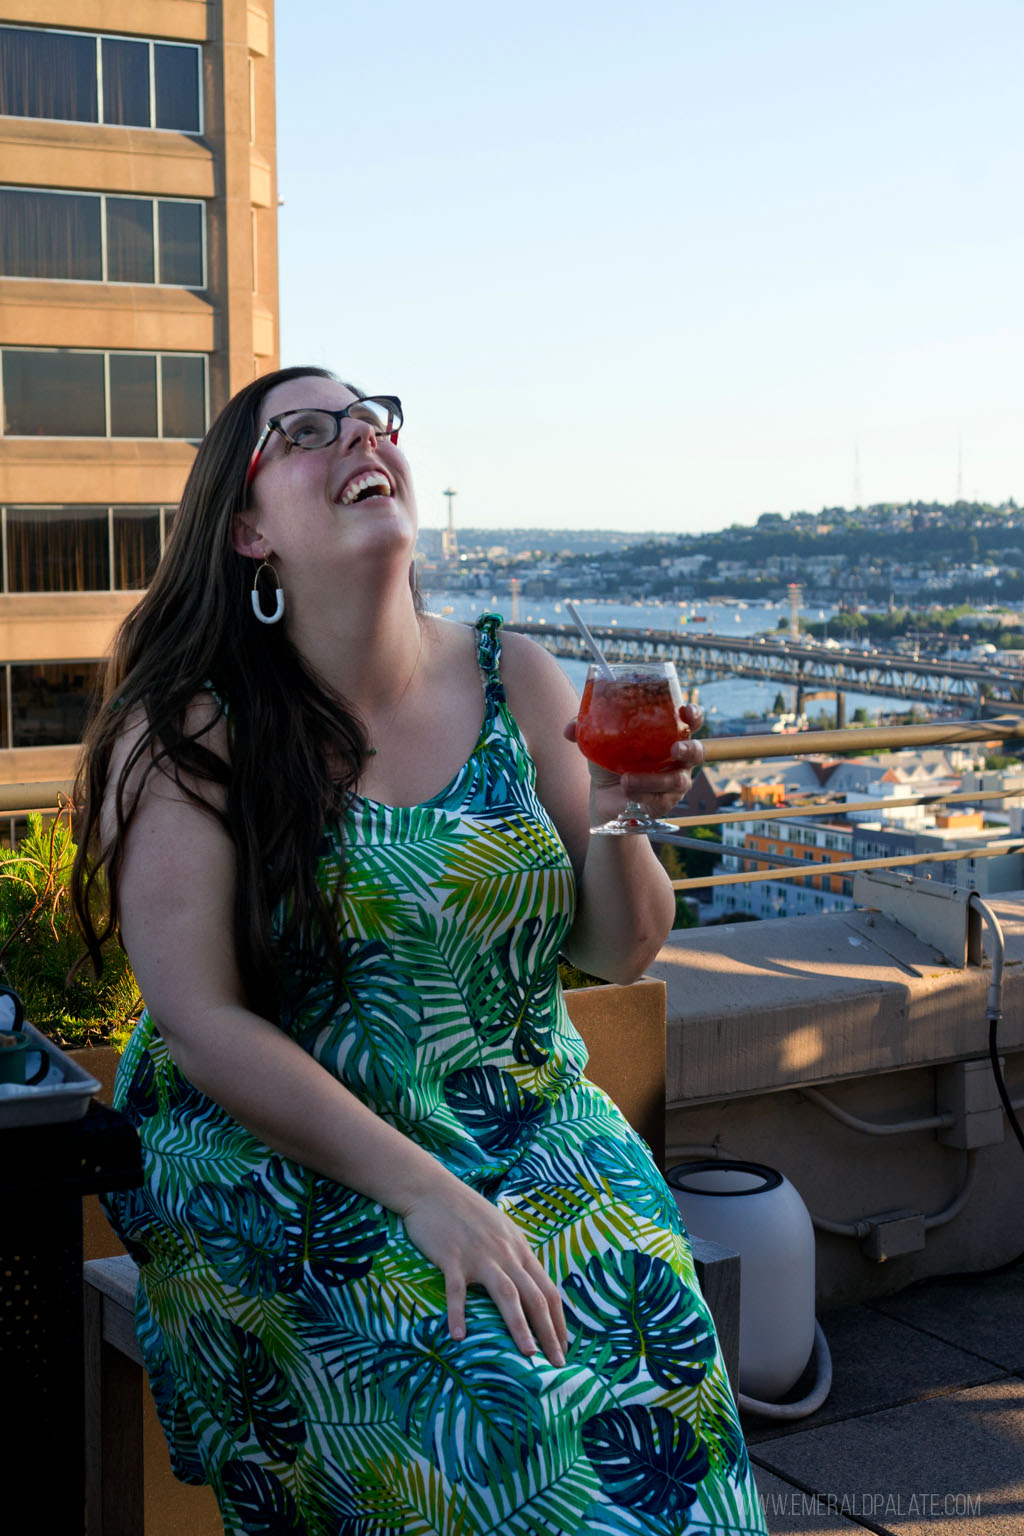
{"x":402,"y":1268}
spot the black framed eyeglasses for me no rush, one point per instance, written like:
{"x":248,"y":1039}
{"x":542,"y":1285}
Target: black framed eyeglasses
{"x":318,"y":428}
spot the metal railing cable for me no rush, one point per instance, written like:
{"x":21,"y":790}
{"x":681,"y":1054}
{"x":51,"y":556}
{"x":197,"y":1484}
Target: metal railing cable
{"x":721,"y":749}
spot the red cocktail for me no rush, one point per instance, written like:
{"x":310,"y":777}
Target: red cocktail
{"x":628,"y":723}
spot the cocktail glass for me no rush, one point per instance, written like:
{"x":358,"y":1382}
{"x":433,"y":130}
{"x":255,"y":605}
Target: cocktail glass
{"x":628,"y":722}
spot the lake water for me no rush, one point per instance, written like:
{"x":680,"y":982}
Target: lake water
{"x":726,"y":699}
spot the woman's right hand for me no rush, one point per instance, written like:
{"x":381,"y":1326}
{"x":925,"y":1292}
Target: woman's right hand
{"x":472,"y":1242}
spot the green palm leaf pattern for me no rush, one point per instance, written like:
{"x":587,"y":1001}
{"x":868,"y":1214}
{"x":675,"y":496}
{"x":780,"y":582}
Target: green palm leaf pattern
{"x":456,"y":982}
{"x":410,"y":1495}
{"x":471,"y":1404}
{"x":709,"y":1407}
{"x":244,"y":1388}
{"x":298,"y":1343}
{"x":726,"y":1504}
{"x":626,"y":1306}
{"x":372,"y":1046}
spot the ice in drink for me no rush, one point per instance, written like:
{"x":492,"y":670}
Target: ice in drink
{"x":628,"y":722}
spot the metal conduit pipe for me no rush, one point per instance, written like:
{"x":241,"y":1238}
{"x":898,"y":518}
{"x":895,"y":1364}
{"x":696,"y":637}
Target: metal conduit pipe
{"x":874,"y":1127}
{"x":957,"y":1204}
{"x":994,"y":1012}
{"x":862,"y":1228}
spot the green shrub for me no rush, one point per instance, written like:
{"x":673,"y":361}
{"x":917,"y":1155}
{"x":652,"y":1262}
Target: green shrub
{"x":42,"y":955}
{"x":571,"y":976}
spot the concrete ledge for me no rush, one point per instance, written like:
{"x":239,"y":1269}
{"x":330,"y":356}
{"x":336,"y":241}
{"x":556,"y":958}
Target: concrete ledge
{"x":758,"y":1007}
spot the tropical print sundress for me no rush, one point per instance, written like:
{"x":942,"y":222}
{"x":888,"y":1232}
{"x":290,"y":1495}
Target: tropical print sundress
{"x":297,"y":1343}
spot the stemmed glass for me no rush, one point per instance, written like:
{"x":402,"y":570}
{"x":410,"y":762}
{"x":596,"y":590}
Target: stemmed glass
{"x":628,"y":722}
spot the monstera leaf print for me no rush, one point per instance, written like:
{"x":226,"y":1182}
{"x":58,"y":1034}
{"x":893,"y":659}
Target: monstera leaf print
{"x":245,"y":1388}
{"x":629,"y":1309}
{"x":242,"y":1237}
{"x":262,"y":1503}
{"x":491,"y":1106}
{"x":130,"y":1211}
{"x":141,"y":1100}
{"x":632,"y":1177}
{"x":333,"y":1230}
{"x":486,"y":785}
{"x":529,"y":963}
{"x":370,"y":1042}
{"x":645,"y":1458}
{"x":471,"y":1405}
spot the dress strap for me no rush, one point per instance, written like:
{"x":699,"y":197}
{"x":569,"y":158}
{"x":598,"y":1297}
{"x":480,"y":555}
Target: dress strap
{"x":488,"y":655}
{"x":218,"y":698}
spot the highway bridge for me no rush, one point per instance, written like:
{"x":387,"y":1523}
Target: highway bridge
{"x":969,"y":688}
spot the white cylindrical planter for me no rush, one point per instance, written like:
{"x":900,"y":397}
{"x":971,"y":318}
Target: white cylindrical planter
{"x":757,"y":1213}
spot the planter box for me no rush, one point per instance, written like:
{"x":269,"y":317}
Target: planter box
{"x":624,"y":1031}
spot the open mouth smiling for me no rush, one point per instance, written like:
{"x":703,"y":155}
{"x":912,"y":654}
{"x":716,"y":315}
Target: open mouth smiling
{"x":373,"y":483}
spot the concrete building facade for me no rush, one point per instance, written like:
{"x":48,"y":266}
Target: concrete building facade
{"x":138,"y":290}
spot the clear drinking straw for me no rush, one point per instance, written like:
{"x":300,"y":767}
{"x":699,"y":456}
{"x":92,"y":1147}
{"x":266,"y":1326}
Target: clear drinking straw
{"x":592,"y":645}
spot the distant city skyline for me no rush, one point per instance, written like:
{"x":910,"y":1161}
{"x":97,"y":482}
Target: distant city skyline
{"x":676,"y":269}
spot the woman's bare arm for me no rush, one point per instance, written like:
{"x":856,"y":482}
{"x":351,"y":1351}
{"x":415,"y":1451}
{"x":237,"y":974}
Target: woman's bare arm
{"x":626,"y":905}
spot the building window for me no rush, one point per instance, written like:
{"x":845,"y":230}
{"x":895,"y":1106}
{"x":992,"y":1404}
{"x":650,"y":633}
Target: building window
{"x":183,"y":393}
{"x":180,"y":244}
{"x":84,"y":78}
{"x":91,"y":237}
{"x":50,"y":702}
{"x":58,"y":549}
{"x":136,"y":545}
{"x":82,"y":548}
{"x":65,"y":393}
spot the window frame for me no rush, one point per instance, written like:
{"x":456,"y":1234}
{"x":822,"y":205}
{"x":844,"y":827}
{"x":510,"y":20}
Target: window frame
{"x":159,"y":509}
{"x":108,"y":436}
{"x":118,"y":37}
{"x":25,"y":665}
{"x":191,"y":202}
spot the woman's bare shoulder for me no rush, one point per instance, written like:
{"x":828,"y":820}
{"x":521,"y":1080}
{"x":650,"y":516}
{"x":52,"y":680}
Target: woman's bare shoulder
{"x":140,"y":763}
{"x":529,"y":671}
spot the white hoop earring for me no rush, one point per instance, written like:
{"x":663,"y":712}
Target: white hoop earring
{"x":278,"y":613}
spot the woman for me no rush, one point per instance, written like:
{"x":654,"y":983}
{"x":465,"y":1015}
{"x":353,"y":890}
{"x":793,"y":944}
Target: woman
{"x":401,"y":1267}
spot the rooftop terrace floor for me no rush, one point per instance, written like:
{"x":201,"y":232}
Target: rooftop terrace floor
{"x":923,"y":1431}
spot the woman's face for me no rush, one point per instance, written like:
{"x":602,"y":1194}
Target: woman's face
{"x":310,"y":507}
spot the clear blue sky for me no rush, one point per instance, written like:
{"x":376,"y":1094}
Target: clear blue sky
{"x":664,"y":265}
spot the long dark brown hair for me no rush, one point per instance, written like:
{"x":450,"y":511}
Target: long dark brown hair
{"x":296,"y":748}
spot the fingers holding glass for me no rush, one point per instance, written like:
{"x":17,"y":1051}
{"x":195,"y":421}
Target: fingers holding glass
{"x":631,"y":723}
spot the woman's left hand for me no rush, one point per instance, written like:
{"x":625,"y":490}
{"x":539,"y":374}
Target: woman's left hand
{"x":659,"y":792}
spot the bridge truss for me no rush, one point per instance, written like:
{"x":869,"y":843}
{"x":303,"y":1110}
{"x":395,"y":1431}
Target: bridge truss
{"x":967,"y":687}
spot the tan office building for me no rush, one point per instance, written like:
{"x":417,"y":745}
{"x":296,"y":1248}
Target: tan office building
{"x":138,"y":290}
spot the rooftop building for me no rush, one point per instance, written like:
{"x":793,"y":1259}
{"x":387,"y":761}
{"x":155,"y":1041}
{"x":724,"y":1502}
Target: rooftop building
{"x":138,"y":291}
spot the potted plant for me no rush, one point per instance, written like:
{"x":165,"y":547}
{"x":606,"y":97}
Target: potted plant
{"x":42,"y":955}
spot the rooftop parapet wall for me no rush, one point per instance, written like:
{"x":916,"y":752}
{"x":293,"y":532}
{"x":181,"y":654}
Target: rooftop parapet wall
{"x":760,"y":1007}
{"x":759,"y":1011}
